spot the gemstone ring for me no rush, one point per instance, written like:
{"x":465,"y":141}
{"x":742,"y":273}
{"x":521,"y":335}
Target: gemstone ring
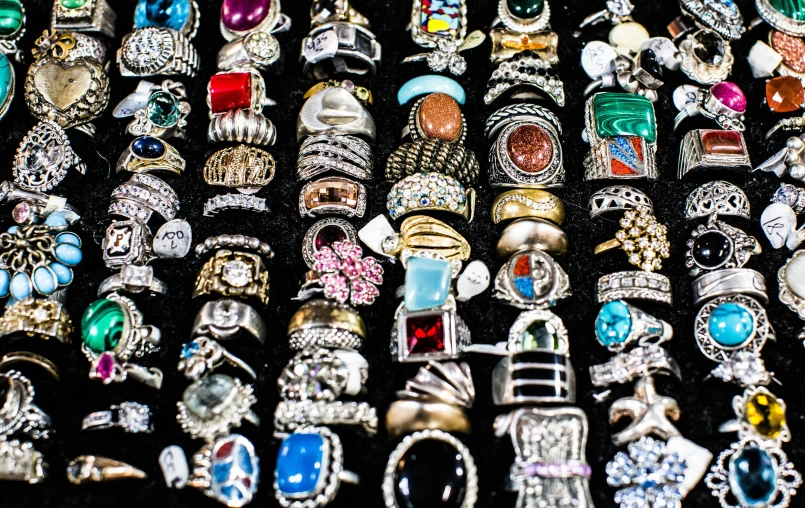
{"x":616,"y":12}
{"x":722,"y":17}
{"x":324,"y":233}
{"x":538,"y":329}
{"x":791,"y":278}
{"x":729,"y":325}
{"x":14,"y":19}
{"x":713,"y":149}
{"x":234,"y":274}
{"x":642,"y":238}
{"x":784,"y":17}
{"x":214,"y":405}
{"x":203,"y":355}
{"x":36,"y":317}
{"x":40,"y":174}
{"x":91,"y":469}
{"x":760,"y":414}
{"x":341,"y":273}
{"x":620,"y":324}
{"x":180,"y":15}
{"x":239,"y":18}
{"x":146,"y":154}
{"x":19,"y":413}
{"x":524,"y":16}
{"x":430,"y":191}
{"x":705,"y":57}
{"x":527,"y":153}
{"x":326,"y":323}
{"x":436,"y":116}
{"x":531,"y":280}
{"x":718,"y":245}
{"x":131,"y":417}
{"x":724,"y":103}
{"x":323,"y":375}
{"x":163,"y":114}
{"x":227,"y":470}
{"x":226,"y":319}
{"x":434,"y":334}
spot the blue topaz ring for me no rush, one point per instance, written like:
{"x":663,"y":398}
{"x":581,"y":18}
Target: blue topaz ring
{"x":731,"y":324}
{"x":215,"y":404}
{"x":146,"y":154}
{"x":531,"y":279}
{"x":430,"y":192}
{"x":620,"y":324}
{"x":203,"y":355}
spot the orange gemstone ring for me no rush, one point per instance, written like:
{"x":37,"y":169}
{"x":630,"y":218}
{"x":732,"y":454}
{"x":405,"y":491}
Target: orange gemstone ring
{"x":436,"y":116}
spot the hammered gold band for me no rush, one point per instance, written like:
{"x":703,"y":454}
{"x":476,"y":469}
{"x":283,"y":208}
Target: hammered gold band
{"x":533,"y":203}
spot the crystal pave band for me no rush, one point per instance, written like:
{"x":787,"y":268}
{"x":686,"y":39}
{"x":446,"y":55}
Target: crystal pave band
{"x":631,"y":285}
{"x":293,"y":415}
{"x":131,"y":417}
{"x":244,"y":202}
{"x":157,"y":51}
{"x":341,"y":154}
{"x":640,"y":361}
{"x":21,"y":462}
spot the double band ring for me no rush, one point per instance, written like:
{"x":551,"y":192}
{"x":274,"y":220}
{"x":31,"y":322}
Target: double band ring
{"x":727,"y":282}
{"x":146,"y":154}
{"x":143,"y":195}
{"x":620,"y":324}
{"x":640,"y":361}
{"x":227,"y":319}
{"x":328,"y":324}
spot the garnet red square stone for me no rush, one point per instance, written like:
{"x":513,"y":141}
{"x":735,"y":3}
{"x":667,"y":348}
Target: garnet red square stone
{"x":720,"y":142}
{"x":230,"y":91}
{"x":425,"y":334}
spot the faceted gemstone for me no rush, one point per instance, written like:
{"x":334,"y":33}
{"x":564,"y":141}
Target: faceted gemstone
{"x":627,"y":156}
{"x":753,"y":477}
{"x":173,"y":14}
{"x":190,"y":349}
{"x":539,"y":335}
{"x":791,"y":49}
{"x":148,"y":147}
{"x":6,"y":80}
{"x":765,"y":413}
{"x":73,"y":4}
{"x":784,"y":94}
{"x":731,"y":324}
{"x":234,"y":470}
{"x":439,"y":117}
{"x":106,"y":366}
{"x":244,"y":15}
{"x":23,"y":213}
{"x":712,"y":249}
{"x":795,"y":276}
{"x":299,"y":463}
{"x":427,"y":283}
{"x":708,"y":47}
{"x":237,"y":273}
{"x":10,"y":17}
{"x":440,"y":17}
{"x":430,"y":474}
{"x":722,"y":142}
{"x":163,"y":109}
{"x":331,"y":193}
{"x":613,"y":324}
{"x":231,"y":90}
{"x":102,"y":325}
{"x":647,"y":61}
{"x":328,"y":235}
{"x":794,"y":9}
{"x":530,"y":148}
{"x":425,"y":334}
{"x":208,"y":396}
{"x":730,"y":95}
{"x":620,"y":114}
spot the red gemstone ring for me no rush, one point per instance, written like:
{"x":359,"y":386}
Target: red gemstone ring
{"x":724,"y":102}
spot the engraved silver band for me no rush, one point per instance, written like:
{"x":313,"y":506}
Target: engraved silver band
{"x":730,"y":281}
{"x":640,"y":361}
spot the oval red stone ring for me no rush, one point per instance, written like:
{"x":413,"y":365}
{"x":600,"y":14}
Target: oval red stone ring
{"x":724,"y":102}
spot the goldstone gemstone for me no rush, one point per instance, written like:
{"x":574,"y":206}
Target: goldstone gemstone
{"x":10,"y":17}
{"x":621,"y":114}
{"x":766,"y":415}
{"x":102,"y":325}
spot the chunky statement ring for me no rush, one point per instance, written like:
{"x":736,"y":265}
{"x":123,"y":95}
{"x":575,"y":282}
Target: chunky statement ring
{"x":340,"y":48}
{"x":39,"y":318}
{"x":717,"y":197}
{"x":715,"y":67}
{"x":527,"y":153}
{"x":620,"y":324}
{"x":227,"y":319}
{"x":642,"y":238}
{"x":524,"y":19}
{"x":328,"y":324}
{"x":214,"y":405}
{"x":531,"y":279}
{"x":718,"y":245}
{"x":536,"y":376}
{"x":634,"y":285}
{"x":341,"y":273}
{"x":527,"y":203}
{"x":436,"y":116}
{"x":203,"y":355}
{"x":363,"y":94}
{"x":242,"y":126}
{"x":430,"y":155}
{"x":335,"y":373}
{"x":430,"y":84}
{"x":340,"y":154}
{"x":90,"y":16}
{"x":430,"y":191}
{"x":233,"y":90}
{"x":713,"y":149}
{"x":234,"y":23}
{"x":143,"y":195}
{"x":131,"y":417}
{"x":233,"y":274}
{"x":245,"y":168}
{"x":413,"y":338}
{"x":92,"y":469}
{"x":791,"y":278}
{"x":334,"y":111}
{"x":157,"y":51}
{"x":31,"y":175}
{"x":133,"y":279}
{"x":731,"y":324}
{"x":257,"y":49}
{"x":146,"y":154}
{"x":159,"y":111}
{"x":618,"y":198}
{"x":524,"y":76}
{"x":335,"y":195}
{"x":724,"y":103}
{"x":19,"y":413}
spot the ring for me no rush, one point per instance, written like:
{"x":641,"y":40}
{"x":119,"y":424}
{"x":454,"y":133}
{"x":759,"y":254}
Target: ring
{"x":185,"y":20}
{"x":127,"y":242}
{"x":227,"y":470}
{"x":634,"y":285}
{"x":16,"y":20}
{"x":521,"y":113}
{"x":143,"y":195}
{"x":434,"y":156}
{"x":430,"y":84}
{"x":615,"y":12}
{"x":791,"y":159}
{"x":328,"y":324}
{"x":133,"y":279}
{"x":131,"y":417}
{"x":155,"y":51}
{"x":341,"y":154}
{"x":38,"y":204}
{"x":436,"y":116}
{"x":621,"y":158}
{"x":620,"y":324}
{"x":335,"y":195}
{"x":340,"y":47}
{"x":294,"y":415}
{"x":539,"y":376}
{"x":538,"y":330}
{"x":711,"y":149}
{"x":725,"y":19}
{"x":727,"y":282}
{"x":618,"y":198}
{"x":792,"y":196}
{"x":44,"y":177}
{"x":235,"y":24}
{"x":257,"y":49}
{"x":93,"y":16}
{"x":431,"y":23}
{"x":664,"y":410}
{"x":779,"y":19}
{"x":112,"y":333}
{"x":527,"y":153}
{"x":242,"y":126}
{"x":89,"y":468}
{"x":507,"y":43}
{"x":430,"y":192}
{"x":790,"y":278}
{"x":324,"y":233}
{"x":334,"y":111}
{"x":531,"y":234}
{"x":38,"y":318}
{"x":724,"y":103}
{"x":25,"y":464}
{"x":531,"y":279}
{"x":19,"y":413}
{"x":406,"y":416}
{"x":233,"y":90}
{"x":730,"y":324}
{"x":718,"y":245}
{"x":224,"y":202}
{"x":419,"y":233}
{"x":527,"y":203}
{"x":642,"y":238}
{"x":751,"y":421}
{"x":32,"y":358}
{"x":313,"y":484}
{"x":363,"y":94}
{"x":334,"y":373}
{"x":236,"y":241}
{"x":227,"y":319}
{"x":716,"y":67}
{"x":524,"y":20}
{"x":641,"y":361}
{"x":521,"y":75}
{"x":203,"y":355}
{"x":717,"y":198}
{"x":215,"y":404}
{"x":412,"y":339}
{"x":233,"y":274}
{"x":146,"y":154}
{"x":246,"y":168}
{"x":341,"y":273}
{"x":159,"y":111}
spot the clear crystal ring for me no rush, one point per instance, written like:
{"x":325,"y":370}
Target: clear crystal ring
{"x":131,"y":417}
{"x":215,"y":404}
{"x":323,"y":374}
{"x":234,"y":274}
{"x":227,"y":319}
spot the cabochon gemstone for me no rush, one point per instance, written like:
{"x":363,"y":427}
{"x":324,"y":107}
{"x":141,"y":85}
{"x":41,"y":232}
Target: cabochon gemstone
{"x":20,"y":286}
{"x":430,"y":474}
{"x":73,"y":4}
{"x":539,"y":335}
{"x":70,"y":238}
{"x":6,"y":73}
{"x":235,"y":469}
{"x":427,"y":283}
{"x":163,"y":109}
{"x":613,"y":324}
{"x":229,"y":91}
{"x":731,"y":324}
{"x":173,"y":14}
{"x":784,"y":94}
{"x":425,"y":334}
{"x":148,"y":147}
{"x":620,"y":114}
{"x":712,"y":249}
{"x":45,"y":280}
{"x":64,"y":275}
{"x":794,"y":9}
{"x":299,"y":463}
{"x":244,"y":15}
{"x":10,"y":17}
{"x":525,"y":9}
{"x":68,"y":254}
{"x":766,"y":415}
{"x":206,"y":396}
{"x":530,"y":148}
{"x":730,"y":95}
{"x":439,"y":117}
{"x":56,"y":220}
{"x":753,"y":477}
{"x":795,"y":276}
{"x":102,"y":325}
{"x":721,"y":142}
{"x":791,"y":49}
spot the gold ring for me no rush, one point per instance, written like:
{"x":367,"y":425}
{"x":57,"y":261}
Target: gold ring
{"x":44,"y":319}
{"x":89,"y":468}
{"x":233,"y":274}
{"x":362,"y":94}
{"x":534,"y":203}
{"x":531,"y":233}
{"x":146,"y":154}
{"x":408,"y":416}
{"x":642,"y":238}
{"x":507,"y":43}
{"x":327,"y":314}
{"x":421,"y":233}
{"x":242,"y":167}
{"x":28,"y":357}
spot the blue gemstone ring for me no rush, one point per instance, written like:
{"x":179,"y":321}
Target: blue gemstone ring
{"x":620,"y":324}
{"x":203,"y":355}
{"x":147,"y":154}
{"x":428,"y":84}
{"x":531,"y":279}
{"x":227,"y":470}
{"x":729,"y":325}
{"x":180,"y":15}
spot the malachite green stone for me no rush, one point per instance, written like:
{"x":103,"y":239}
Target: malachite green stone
{"x":6,"y":73}
{"x":10,"y":17}
{"x":622,"y":114}
{"x":102,"y":325}
{"x":525,"y":9}
{"x":73,"y":4}
{"x":794,"y":9}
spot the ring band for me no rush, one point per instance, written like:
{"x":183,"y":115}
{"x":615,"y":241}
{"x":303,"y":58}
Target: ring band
{"x":233,"y":274}
{"x":527,"y":203}
{"x":294,"y":415}
{"x":634,"y":285}
{"x":242,"y":126}
{"x":89,"y":468}
{"x":729,"y":281}
{"x":32,"y":358}
{"x":527,"y":234}
{"x":430,"y":192}
{"x":618,"y":198}
{"x":146,"y":154}
{"x":131,"y":417}
{"x":356,"y":52}
{"x":235,"y":241}
{"x":428,"y":84}
{"x":640,"y":361}
{"x":245,"y":168}
{"x":226,"y":319}
{"x":224,"y":202}
{"x":332,"y":195}
{"x":256,"y":49}
{"x":45,"y":319}
{"x":436,"y":156}
{"x":533,"y":377}
{"x":133,"y":279}
{"x":26,"y":464}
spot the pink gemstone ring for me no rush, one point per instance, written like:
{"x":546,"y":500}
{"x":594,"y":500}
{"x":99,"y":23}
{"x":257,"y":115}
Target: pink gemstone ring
{"x":344,"y":275}
{"x":724,"y":102}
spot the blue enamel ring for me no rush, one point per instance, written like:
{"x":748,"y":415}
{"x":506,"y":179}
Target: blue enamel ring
{"x":429,"y":84}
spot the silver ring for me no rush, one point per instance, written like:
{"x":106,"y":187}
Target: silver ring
{"x":334,"y":373}
{"x":792,"y":196}
{"x":131,"y":417}
{"x":44,"y":177}
{"x":790,"y":279}
{"x":219,"y":98}
{"x":324,"y":233}
{"x":19,"y":413}
{"x":521,"y":112}
{"x":445,"y":105}
{"x":340,"y":48}
{"x":227,"y":319}
{"x":634,"y":285}
{"x":257,"y":49}
{"x":335,"y":195}
{"x":227,"y":470}
{"x":724,"y":18}
{"x":542,"y":377}
{"x":621,"y":158}
{"x":717,"y":197}
{"x":242,"y":126}
{"x":727,"y":282}
{"x":537,"y":23}
{"x":702,"y":71}
{"x":294,"y":415}
{"x":334,"y":111}
{"x":157,"y":51}
{"x":127,"y":242}
{"x":235,"y":241}
{"x":214,"y":405}
{"x":531,"y":279}
{"x":790,"y":159}
{"x":618,"y":198}
{"x":779,"y":20}
{"x":92,"y":16}
{"x":771,"y":428}
{"x":718,"y":245}
{"x":232,"y":26}
{"x":25,"y":463}
{"x":527,"y":153}
{"x":406,"y":346}
{"x":620,"y":324}
{"x":657,"y":419}
{"x":724,"y":103}
{"x":143,"y":195}
{"x":133,"y":279}
{"x":749,"y":330}
{"x":301,"y":340}
{"x":538,"y":76}
{"x":159,"y":110}
{"x":627,"y":366}
{"x":203,"y":355}
{"x":225,"y":202}
{"x":713,"y":149}
{"x":324,"y":153}
{"x":616,"y":13}
{"x":42,"y":204}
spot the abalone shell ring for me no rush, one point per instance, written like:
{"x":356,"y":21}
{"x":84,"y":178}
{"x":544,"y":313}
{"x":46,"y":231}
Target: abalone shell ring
{"x":228,"y":319}
{"x":146,"y":154}
{"x":531,"y":279}
{"x":620,"y":324}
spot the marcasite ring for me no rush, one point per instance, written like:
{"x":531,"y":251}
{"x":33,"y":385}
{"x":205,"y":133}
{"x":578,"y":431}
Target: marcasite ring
{"x":40,"y":318}
{"x":620,"y":324}
{"x":133,"y":279}
{"x":42,"y":177}
{"x":634,"y":285}
{"x":257,"y":49}
{"x":214,"y":405}
{"x":328,"y":324}
{"x":155,"y":51}
{"x":531,"y":279}
{"x":146,"y":154}
{"x":335,"y":372}
{"x":92,"y":469}
{"x":203,"y":355}
{"x":131,"y":417}
{"x":718,"y":245}
{"x":717,"y":197}
{"x":227,"y":319}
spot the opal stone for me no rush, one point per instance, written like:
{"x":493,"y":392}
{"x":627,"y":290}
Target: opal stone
{"x":427,"y":283}
{"x":5,"y":280}
{"x":173,"y":14}
{"x":229,"y":91}
{"x":430,"y":474}
{"x":795,"y":276}
{"x":44,"y":280}
{"x":539,"y":335}
{"x":73,"y":4}
{"x":299,"y":463}
{"x":68,"y":254}
{"x":752,"y":476}
{"x":163,"y":109}
{"x":730,"y":95}
{"x":731,"y":324}
{"x":20,"y":286}
{"x":721,"y":142}
{"x":613,"y":324}
{"x":10,"y":17}
{"x":439,"y":117}
{"x":102,"y":325}
{"x":621,"y":114}
{"x":766,"y":415}
{"x":64,"y":275}
{"x":712,"y":249}
{"x":244,"y":15}
{"x":530,"y":148}
{"x":525,"y":9}
{"x":234,"y":470}
{"x":148,"y":147}
{"x":784,"y":94}
{"x":440,"y":17}
{"x":425,"y":334}
{"x":791,"y":49}
{"x":794,"y":9}
{"x":207,"y":396}
{"x":6,"y":81}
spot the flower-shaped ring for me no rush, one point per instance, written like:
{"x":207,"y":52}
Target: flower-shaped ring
{"x":642,"y":238}
{"x":344,"y":275}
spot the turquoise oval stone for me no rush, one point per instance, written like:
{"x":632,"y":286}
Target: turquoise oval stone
{"x":299,"y":463}
{"x":70,"y":238}
{"x":68,"y":254}
{"x":5,"y":280}
{"x":427,"y":283}
{"x":525,"y":9}
{"x":56,"y":220}
{"x":64,"y":275}
{"x":623,"y":114}
{"x":44,"y":280}
{"x":6,"y":81}
{"x":173,"y":14}
{"x":20,"y":286}
{"x":794,"y":9}
{"x":102,"y":325}
{"x":163,"y":109}
{"x":10,"y":17}
{"x":614,"y":323}
{"x":731,"y":325}
{"x":752,"y":477}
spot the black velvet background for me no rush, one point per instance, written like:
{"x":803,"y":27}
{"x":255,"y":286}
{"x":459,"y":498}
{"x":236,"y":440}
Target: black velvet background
{"x":705,"y":404}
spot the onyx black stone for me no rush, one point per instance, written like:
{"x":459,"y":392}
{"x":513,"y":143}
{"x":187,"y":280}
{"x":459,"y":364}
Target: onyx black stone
{"x":712,"y":249}
{"x":647,"y":60}
{"x":708,"y":47}
{"x":430,"y":474}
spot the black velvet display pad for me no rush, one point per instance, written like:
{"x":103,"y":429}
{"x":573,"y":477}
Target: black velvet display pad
{"x":704,"y":403}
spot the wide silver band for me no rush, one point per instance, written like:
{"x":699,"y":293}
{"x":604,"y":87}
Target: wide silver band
{"x":634,"y":285}
{"x":242,"y":126}
{"x":175,"y":54}
{"x":729,"y":281}
{"x":131,"y":417}
{"x":133,"y":279}
{"x":259,"y":50}
{"x":640,"y":361}
{"x":227,"y":319}
{"x":641,"y":163}
{"x":334,"y":110}
{"x":243,"y":202}
{"x":142,"y":195}
{"x":93,"y":16}
{"x":355,"y":50}
{"x":347,"y":155}
{"x":618,"y":198}
{"x":693,"y":154}
{"x":293,"y":415}
{"x":534,"y":377}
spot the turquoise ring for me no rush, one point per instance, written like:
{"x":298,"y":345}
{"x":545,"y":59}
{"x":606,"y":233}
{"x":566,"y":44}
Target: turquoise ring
{"x":620,"y":324}
{"x":429,"y":84}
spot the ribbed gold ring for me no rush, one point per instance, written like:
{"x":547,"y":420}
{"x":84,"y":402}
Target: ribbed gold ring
{"x":408,"y":416}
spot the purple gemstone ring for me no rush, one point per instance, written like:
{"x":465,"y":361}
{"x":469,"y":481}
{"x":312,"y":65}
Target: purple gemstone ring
{"x":724,"y":102}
